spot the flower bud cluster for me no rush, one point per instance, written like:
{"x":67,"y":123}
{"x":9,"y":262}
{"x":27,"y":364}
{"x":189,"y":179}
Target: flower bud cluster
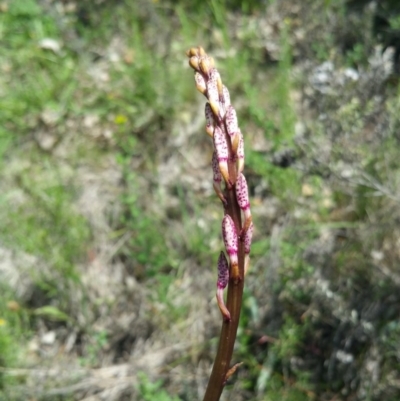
{"x":227,"y":166}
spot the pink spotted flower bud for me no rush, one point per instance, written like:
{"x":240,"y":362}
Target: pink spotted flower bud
{"x":242,"y":196}
{"x":232,"y":127}
{"x":213,"y":91}
{"x":222,"y":152}
{"x":230,"y":238}
{"x":200,"y":83}
{"x":222,"y":282}
{"x":209,"y":120}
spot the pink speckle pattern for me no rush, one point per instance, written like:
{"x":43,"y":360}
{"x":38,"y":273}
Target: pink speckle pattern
{"x":231,"y":121}
{"x":209,"y":120}
{"x":223,"y":271}
{"x":215,"y":168}
{"x":230,"y":237}
{"x":220,"y":144}
{"x":242,"y":193}
{"x":212,"y":87}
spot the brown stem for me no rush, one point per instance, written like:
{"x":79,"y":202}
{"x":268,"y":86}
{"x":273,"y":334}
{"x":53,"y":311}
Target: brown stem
{"x":234,"y":302}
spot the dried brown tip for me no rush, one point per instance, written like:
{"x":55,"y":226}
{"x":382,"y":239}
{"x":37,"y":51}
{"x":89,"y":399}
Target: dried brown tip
{"x":232,"y":371}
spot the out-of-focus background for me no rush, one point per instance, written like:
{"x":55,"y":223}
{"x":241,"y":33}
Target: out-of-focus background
{"x":110,"y":230}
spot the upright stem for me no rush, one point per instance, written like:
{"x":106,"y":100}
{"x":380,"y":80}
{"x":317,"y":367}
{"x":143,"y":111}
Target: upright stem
{"x":227,"y":166}
{"x":227,"y":337}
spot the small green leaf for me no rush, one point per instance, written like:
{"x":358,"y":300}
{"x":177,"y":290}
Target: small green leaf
{"x":51,"y":313}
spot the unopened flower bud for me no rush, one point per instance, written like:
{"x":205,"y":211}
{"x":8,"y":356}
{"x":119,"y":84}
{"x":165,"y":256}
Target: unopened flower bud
{"x":204,"y":64}
{"x":209,"y":120}
{"x":194,"y":63}
{"x":223,"y":271}
{"x":242,"y":193}
{"x":230,"y":237}
{"x":231,"y":121}
{"x":226,"y":96}
{"x":200,"y":83}
{"x":240,"y":153}
{"x":222,"y":153}
{"x":212,"y":91}
{"x":193,"y":51}
{"x":232,"y":127}
{"x":217,"y":178}
{"x":222,"y":282}
{"x":196,"y":51}
{"x":242,"y":196}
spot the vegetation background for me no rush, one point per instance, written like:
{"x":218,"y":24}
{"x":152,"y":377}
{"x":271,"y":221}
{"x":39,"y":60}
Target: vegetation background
{"x":110,"y":229}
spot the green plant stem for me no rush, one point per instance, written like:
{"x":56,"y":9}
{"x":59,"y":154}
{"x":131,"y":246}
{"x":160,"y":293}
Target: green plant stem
{"x":227,"y":338}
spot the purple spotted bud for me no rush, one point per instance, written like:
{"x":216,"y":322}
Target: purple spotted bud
{"x":200,"y":83}
{"x":223,"y":271}
{"x":222,"y":282}
{"x":222,"y":152}
{"x":217,"y":178}
{"x":231,"y":121}
{"x":224,"y":101}
{"x":242,"y":196}
{"x":209,"y":120}
{"x":230,"y":237}
{"x":232,"y":127}
{"x":242,"y":193}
